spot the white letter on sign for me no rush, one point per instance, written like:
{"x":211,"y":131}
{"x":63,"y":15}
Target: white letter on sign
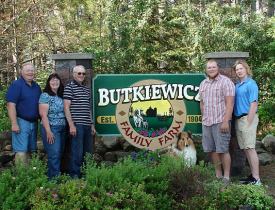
{"x":103,"y":97}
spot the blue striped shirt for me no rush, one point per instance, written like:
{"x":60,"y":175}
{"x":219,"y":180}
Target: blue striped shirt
{"x":80,"y":108}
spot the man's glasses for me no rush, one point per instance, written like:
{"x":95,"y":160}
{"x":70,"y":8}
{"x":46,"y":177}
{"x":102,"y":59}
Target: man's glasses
{"x":79,"y":73}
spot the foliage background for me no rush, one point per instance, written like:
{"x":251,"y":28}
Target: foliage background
{"x":146,"y":36}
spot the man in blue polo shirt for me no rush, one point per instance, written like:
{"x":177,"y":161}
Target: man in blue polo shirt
{"x":78,"y":114}
{"x":245,"y":111}
{"x":22,"y":103}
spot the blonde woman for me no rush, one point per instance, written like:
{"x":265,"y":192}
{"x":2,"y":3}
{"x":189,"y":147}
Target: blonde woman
{"x":245,"y":111}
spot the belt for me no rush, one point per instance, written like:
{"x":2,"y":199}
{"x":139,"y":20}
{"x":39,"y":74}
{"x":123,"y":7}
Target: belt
{"x":238,"y":117}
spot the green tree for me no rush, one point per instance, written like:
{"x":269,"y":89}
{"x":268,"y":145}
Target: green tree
{"x":265,"y":76}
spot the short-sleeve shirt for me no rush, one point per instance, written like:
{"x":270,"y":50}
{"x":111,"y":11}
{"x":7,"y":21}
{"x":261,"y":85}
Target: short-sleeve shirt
{"x":25,"y":97}
{"x":212,"y":94}
{"x":246,"y":93}
{"x":80,"y":108}
{"x":56,"y":114}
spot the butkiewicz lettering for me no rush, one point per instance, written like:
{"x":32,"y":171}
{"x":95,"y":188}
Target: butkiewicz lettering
{"x":148,"y":92}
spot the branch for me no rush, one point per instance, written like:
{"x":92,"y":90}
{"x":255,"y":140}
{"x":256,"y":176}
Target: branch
{"x":44,"y":29}
{"x":13,"y":19}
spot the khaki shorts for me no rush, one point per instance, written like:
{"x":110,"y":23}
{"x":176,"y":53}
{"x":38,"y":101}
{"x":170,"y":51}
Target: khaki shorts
{"x":246,"y":134}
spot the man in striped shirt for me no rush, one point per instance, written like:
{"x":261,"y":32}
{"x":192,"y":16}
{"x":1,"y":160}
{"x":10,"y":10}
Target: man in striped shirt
{"x":217,"y":94}
{"x":78,"y":114}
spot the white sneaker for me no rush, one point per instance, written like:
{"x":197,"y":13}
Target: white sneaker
{"x":252,"y":181}
{"x":257,"y":182}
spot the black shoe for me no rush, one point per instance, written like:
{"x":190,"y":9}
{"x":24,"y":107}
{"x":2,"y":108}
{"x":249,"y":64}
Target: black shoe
{"x":249,"y":178}
{"x":253,"y":181}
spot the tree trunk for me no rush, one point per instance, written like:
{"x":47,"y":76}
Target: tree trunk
{"x":271,"y":8}
{"x":15,"y":44}
{"x":259,"y":6}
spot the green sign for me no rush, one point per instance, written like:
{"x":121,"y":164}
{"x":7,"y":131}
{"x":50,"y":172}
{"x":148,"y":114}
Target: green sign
{"x":147,"y":109}
{"x":108,"y":89}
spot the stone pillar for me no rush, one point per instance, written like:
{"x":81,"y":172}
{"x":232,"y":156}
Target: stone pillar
{"x":226,"y":61}
{"x":64,"y":64}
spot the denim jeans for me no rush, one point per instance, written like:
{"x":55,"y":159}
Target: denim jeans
{"x":80,"y":145}
{"x":55,"y":150}
{"x":26,"y":139}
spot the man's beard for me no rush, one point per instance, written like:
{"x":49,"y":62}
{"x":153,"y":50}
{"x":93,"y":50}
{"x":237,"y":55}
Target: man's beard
{"x":212,"y":77}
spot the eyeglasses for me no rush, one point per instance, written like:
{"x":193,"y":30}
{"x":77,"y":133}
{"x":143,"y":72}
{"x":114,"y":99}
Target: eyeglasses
{"x":79,"y":73}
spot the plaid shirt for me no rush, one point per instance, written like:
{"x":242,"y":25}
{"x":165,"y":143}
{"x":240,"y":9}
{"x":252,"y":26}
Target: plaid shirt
{"x":212,"y":94}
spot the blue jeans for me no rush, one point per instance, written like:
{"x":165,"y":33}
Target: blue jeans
{"x":54,"y":150}
{"x":80,"y":145}
{"x":26,"y":139}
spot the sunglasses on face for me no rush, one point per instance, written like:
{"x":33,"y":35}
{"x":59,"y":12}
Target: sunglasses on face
{"x":79,"y":73}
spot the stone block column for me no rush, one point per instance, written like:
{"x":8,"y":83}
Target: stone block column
{"x":64,"y":64}
{"x":226,"y":61}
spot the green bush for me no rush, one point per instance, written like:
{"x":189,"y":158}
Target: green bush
{"x":78,"y":194}
{"x":187,"y":183}
{"x":18,"y":184}
{"x":5,"y":123}
{"x":233,"y":196}
{"x":131,"y":172}
{"x":128,"y":184}
{"x":150,"y":157}
{"x":265,"y":78}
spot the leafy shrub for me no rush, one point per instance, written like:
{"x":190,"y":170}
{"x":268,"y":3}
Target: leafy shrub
{"x":79,"y":194}
{"x":234,"y":196}
{"x":133,"y":172}
{"x":187,"y":183}
{"x":18,"y":184}
{"x":5,"y":123}
{"x":151,"y":157}
{"x":265,"y":78}
{"x":128,"y":184}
